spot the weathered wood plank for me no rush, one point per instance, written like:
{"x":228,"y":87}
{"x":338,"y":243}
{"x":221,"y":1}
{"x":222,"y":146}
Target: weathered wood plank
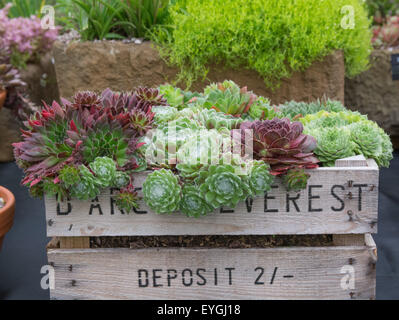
{"x":74,"y":242}
{"x":347,"y":239}
{"x":344,"y":272}
{"x":355,"y":161}
{"x":336,"y":201}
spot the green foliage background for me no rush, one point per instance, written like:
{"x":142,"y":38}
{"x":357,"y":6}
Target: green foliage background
{"x":273,"y":37}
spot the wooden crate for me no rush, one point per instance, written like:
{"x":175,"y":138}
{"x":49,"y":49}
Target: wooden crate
{"x":343,"y":201}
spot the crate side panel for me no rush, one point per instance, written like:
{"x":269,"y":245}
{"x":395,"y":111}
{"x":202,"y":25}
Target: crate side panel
{"x":336,"y":201}
{"x":176,"y":273}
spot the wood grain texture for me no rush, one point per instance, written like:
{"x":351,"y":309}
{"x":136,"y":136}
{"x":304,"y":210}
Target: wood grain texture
{"x":337,"y":272}
{"x":336,"y":201}
{"x":74,"y":242}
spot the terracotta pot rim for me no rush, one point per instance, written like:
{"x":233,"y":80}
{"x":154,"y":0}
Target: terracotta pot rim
{"x":8,"y":197}
{"x":3,"y":96}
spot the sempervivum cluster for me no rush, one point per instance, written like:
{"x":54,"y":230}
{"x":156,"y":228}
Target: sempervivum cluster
{"x":76,"y":148}
{"x":280,"y":143}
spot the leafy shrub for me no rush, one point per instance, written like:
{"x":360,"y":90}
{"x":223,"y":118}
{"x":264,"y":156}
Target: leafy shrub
{"x":273,"y":37}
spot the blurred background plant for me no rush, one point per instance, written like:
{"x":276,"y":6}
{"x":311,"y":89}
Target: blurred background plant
{"x":273,"y":37}
{"x":385,"y":16}
{"x":111,"y":19}
{"x":380,"y":10}
{"x":25,"y":8}
{"x":24,"y":38}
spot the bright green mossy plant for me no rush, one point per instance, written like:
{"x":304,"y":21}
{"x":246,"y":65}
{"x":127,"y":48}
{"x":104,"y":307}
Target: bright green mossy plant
{"x":273,"y":37}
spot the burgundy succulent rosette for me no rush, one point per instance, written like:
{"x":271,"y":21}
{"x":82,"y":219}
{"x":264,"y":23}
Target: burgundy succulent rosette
{"x":281,"y":143}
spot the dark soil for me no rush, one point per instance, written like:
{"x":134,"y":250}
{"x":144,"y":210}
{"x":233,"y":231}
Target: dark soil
{"x":211,"y":241}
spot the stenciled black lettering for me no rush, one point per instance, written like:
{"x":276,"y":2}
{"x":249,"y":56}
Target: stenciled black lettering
{"x":135,"y":210}
{"x":342,"y":207}
{"x":257,"y":281}
{"x":170,"y":277}
{"x":215,"y":272}
{"x":311,"y":197}
{"x":64,"y":213}
{"x":183,"y":275}
{"x":293,"y":199}
{"x":249,"y":202}
{"x":359,"y":201}
{"x":95,"y":206}
{"x":140,"y":278}
{"x":201,"y":276}
{"x":155,"y":277}
{"x":230,"y":275}
{"x":223,"y":210}
{"x":267,"y":197}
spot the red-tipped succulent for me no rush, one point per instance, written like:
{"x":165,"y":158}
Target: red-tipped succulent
{"x":76,"y":132}
{"x":281,"y":144}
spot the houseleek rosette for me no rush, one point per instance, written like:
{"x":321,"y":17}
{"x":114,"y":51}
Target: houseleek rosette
{"x":333,"y":144}
{"x":162,"y":192}
{"x":104,"y":169}
{"x":192,"y":203}
{"x":221,"y":186}
{"x":88,"y":187}
{"x":260,"y":179}
{"x":296,"y":179}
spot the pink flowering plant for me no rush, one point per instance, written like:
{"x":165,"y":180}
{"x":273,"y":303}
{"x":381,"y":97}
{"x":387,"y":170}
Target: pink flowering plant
{"x":24,"y":38}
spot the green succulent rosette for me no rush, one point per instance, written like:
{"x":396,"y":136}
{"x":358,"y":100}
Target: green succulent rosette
{"x":192,"y":203}
{"x":211,"y":119}
{"x":88,"y":187}
{"x":162,"y":192}
{"x":104,"y":169}
{"x":221,"y":186}
{"x":366,"y":138}
{"x":260,"y":179}
{"x":164,"y":114}
{"x":296,"y":179}
{"x":121,"y":179}
{"x":69,"y":175}
{"x":333,"y":144}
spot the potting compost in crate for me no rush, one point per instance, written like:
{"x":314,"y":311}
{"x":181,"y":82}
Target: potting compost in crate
{"x":341,"y":201}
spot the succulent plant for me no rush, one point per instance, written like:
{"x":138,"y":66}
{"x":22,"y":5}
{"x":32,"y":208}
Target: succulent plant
{"x":121,"y":179}
{"x":126,"y":199}
{"x":261,"y":109}
{"x":296,"y":179}
{"x":164,"y":114}
{"x":211,"y":119}
{"x":9,"y":77}
{"x":293,"y":109}
{"x":88,"y":187}
{"x":333,"y":144}
{"x":371,"y":141}
{"x":150,"y":95}
{"x":229,"y":98}
{"x":281,"y":144}
{"x":192,"y":203}
{"x":220,"y":186}
{"x":44,"y":150}
{"x":104,"y":169}
{"x":174,"y":96}
{"x":69,"y":175}
{"x":162,"y":191}
{"x":51,"y":188}
{"x":260,"y":179}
